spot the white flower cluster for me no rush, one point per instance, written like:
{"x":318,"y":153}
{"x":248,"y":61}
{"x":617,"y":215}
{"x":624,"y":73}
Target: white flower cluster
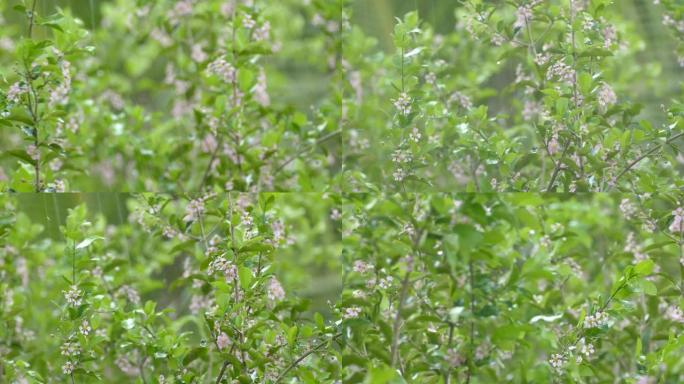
{"x":523,"y":15}
{"x":596,"y":320}
{"x":561,"y":71}
{"x":606,"y":96}
{"x":628,"y":209}
{"x":129,"y":293}
{"x":70,"y":348}
{"x":275,"y":290}
{"x":68,"y":367}
{"x":15,"y":91}
{"x":351,"y":312}
{"x":557,"y":361}
{"x":403,"y":104}
{"x":224,"y":70}
{"x":454,"y":358}
{"x":222,"y":341}
{"x":462,"y":100}
{"x":399,"y":174}
{"x":361,"y":266}
{"x":415,"y":135}
{"x":220,"y":264}
{"x":677,"y":225}
{"x":261,"y":90}
{"x":674,"y":313}
{"x":85,"y":328}
{"x":60,"y":94}
{"x":634,"y":248}
{"x":586,"y":350}
{"x":194,"y":210}
{"x":126,"y":366}
{"x":73,"y":296}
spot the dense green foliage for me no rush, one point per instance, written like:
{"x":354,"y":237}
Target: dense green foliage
{"x":171,"y":96}
{"x":433,"y":114}
{"x":341,"y":191}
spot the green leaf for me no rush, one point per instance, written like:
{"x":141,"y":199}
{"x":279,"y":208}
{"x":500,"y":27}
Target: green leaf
{"x":644,"y":267}
{"x":85,"y":243}
{"x":547,"y":319}
{"x":246,"y":276}
{"x":648,"y":287}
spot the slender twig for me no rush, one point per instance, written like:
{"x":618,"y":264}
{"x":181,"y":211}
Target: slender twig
{"x":447,"y":375}
{"x":73,"y":262}
{"x":33,"y":106}
{"x":397,"y":319}
{"x":306,"y":149}
{"x":557,"y":168}
{"x":472,"y":320}
{"x":31,"y":18}
{"x":645,"y":155}
{"x":207,"y":170}
{"x":142,"y":371}
{"x":559,"y":164}
{"x":304,"y":356}
{"x":222,"y":372}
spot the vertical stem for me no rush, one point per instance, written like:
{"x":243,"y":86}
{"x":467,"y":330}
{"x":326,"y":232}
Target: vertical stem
{"x":559,"y":164}
{"x":223,"y":371}
{"x":447,"y":375}
{"x":471,"y":340}
{"x":73,"y":262}
{"x":681,"y":261}
{"x":31,"y":18}
{"x":33,"y":106}
{"x":397,"y":320}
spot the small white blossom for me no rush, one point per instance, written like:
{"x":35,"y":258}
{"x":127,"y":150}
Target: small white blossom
{"x":557,"y":361}
{"x":85,"y":328}
{"x":73,"y":296}
{"x":351,"y":312}
{"x":627,"y":208}
{"x":674,"y":313}
{"x":523,"y":15}
{"x":677,"y":225}
{"x":361,"y":266}
{"x":70,"y":348}
{"x":68,"y":368}
{"x":403,"y":104}
{"x":596,"y":320}
{"x":222,"y":341}
{"x":15,"y":91}
{"x":224,"y":70}
{"x":194,"y":210}
{"x":415,"y":135}
{"x":275,"y":290}
{"x":606,"y":96}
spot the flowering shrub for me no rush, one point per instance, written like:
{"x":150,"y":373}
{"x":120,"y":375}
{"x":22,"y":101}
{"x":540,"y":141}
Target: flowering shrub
{"x":567,"y":122}
{"x":299,"y":197}
{"x":200,"y":100}
{"x":517,"y":288}
{"x":105,"y":303}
